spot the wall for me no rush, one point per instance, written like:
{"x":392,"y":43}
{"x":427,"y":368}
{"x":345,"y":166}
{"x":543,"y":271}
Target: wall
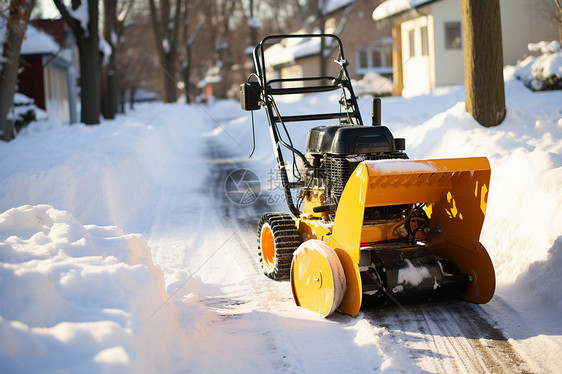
{"x":417,"y":68}
{"x":361,"y":32}
{"x":30,"y":79}
{"x":448,"y":63}
{"x":56,"y":91}
{"x":523,"y":23}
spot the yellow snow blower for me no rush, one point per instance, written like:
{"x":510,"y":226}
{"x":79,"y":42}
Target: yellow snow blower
{"x":369,"y":223}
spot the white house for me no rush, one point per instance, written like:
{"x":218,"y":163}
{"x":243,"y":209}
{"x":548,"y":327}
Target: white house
{"x":427,"y":39}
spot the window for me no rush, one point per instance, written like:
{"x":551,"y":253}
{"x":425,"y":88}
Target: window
{"x":363,"y":59}
{"x":424,"y":46}
{"x":371,"y":58}
{"x":453,"y":36}
{"x":376,"y":58}
{"x":411,"y":37}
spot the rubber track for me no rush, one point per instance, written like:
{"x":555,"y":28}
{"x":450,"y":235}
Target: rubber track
{"x":286,"y":239}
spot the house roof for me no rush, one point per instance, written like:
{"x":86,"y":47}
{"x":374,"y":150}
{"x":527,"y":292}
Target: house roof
{"x":333,"y":5}
{"x":394,"y":7}
{"x":291,"y":50}
{"x":54,"y":27}
{"x":37,"y":42}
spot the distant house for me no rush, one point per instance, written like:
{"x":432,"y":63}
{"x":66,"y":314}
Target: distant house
{"x":367,"y":48}
{"x":47,"y":70}
{"x":427,"y":39}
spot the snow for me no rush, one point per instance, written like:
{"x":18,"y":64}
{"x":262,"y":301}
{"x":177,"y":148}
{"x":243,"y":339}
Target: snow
{"x":544,"y":47}
{"x":253,"y":23}
{"x":373,"y":84}
{"x":75,"y":297}
{"x":293,"y":49}
{"x":412,"y":275}
{"x":392,"y":7}
{"x":548,"y":65}
{"x":105,"y":49}
{"x":114,"y":255}
{"x":82,"y":15}
{"x":38,"y":42}
{"x":22,"y":104}
{"x":333,"y":5}
{"x":399,"y":166}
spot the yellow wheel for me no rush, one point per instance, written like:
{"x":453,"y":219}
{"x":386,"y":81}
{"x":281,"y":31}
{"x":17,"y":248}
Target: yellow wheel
{"x":317,"y":278}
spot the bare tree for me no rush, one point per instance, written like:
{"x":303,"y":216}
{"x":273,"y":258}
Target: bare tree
{"x":15,"y":18}
{"x":193,"y":22}
{"x":87,"y":40}
{"x":483,"y":61}
{"x":166,"y":26}
{"x":136,"y":62}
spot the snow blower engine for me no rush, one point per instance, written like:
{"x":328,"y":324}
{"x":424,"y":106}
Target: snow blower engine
{"x":367,"y":222}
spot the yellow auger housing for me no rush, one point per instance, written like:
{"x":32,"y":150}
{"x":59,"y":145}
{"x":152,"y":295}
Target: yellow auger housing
{"x":368,"y":222}
{"x":454,"y":192}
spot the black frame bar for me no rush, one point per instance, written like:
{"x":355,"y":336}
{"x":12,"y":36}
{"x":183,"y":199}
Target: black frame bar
{"x":274,"y":117}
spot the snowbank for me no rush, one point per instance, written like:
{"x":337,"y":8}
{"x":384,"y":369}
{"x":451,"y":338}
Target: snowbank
{"x":78,"y":298}
{"x":545,"y":71}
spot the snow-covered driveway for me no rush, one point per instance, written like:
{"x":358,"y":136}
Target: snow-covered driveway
{"x":185,"y":294}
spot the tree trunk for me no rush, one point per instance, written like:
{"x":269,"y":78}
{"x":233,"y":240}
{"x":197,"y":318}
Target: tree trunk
{"x":122,"y":98}
{"x":397,"y":73}
{"x":187,"y":75}
{"x":168,"y":76}
{"x":90,"y":67}
{"x":8,"y":77}
{"x":16,"y":26}
{"x":483,"y":61}
{"x":132,"y":98}
{"x":90,"y":76}
{"x":166,"y":28}
{"x":110,"y":88}
{"x":110,"y":93}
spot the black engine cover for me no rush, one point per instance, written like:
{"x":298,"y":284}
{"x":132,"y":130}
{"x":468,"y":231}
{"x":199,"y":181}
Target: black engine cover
{"x":350,"y":140}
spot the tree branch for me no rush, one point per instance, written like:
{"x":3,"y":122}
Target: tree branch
{"x":558,"y":5}
{"x":156,"y":27}
{"x":71,"y":21}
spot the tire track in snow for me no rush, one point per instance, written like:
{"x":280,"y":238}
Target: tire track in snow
{"x":256,"y":308}
{"x":451,"y":336}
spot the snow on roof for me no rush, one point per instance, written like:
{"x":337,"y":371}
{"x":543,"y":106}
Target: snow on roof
{"x":392,"y":7}
{"x":37,"y":42}
{"x":290,"y":50}
{"x":334,"y":5}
